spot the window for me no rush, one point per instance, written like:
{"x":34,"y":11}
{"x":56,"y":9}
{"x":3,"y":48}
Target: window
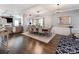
{"x":34,"y":22}
{"x":17,"y":20}
{"x":16,"y":23}
{"x":38,"y":21}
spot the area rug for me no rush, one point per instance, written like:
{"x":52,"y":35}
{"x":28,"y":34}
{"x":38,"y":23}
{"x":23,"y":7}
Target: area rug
{"x":68,"y":45}
{"x":41,"y":38}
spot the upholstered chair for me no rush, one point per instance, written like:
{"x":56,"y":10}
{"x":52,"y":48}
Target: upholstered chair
{"x":30,"y":29}
{"x":34,"y":29}
{"x":49,"y":31}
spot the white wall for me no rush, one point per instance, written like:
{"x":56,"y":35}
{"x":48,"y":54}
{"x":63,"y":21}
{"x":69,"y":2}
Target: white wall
{"x":48,"y":20}
{"x":74,"y":19}
{"x":25,"y":22}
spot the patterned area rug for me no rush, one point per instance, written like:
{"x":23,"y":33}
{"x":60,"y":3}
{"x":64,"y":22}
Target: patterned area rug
{"x":68,"y":45}
{"x":44,"y":39}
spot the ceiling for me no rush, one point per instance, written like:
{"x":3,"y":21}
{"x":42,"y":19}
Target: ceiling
{"x":33,"y":8}
{"x":52,"y":8}
{"x":14,"y":8}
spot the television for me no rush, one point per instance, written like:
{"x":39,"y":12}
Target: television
{"x":9,"y":20}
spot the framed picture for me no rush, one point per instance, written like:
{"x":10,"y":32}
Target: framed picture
{"x":64,"y":20}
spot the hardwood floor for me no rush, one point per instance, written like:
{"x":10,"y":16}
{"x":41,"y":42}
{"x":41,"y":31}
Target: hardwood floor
{"x":19,"y":44}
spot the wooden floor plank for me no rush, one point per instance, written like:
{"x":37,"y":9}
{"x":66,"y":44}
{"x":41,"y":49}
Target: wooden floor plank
{"x":25,"y":45}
